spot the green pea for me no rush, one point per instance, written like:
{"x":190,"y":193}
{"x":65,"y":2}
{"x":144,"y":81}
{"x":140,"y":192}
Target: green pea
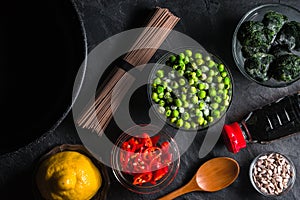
{"x":217,"y":99}
{"x":198,"y":72}
{"x":181,"y":56}
{"x":193,"y":125}
{"x":209,"y":79}
{"x":183,"y":97}
{"x":211,"y":72}
{"x":201,"y":86}
{"x":157,"y":81}
{"x":195,"y":99}
{"x":193,"y":74}
{"x":214,"y":106}
{"x":203,"y":77}
{"x":155,"y":97}
{"x":207,"y":58}
{"x":212,"y":92}
{"x":172,"y":58}
{"x":221,"y":67}
{"x":194,"y":65}
{"x":162,"y":103}
{"x":200,"y":121}
{"x":211,"y":63}
{"x":206,"y":112}
{"x":160,"y":73}
{"x":180,"y":73}
{"x":221,"y":86}
{"x":226,"y":80}
{"x":225,"y":91}
{"x":184,"y":90}
{"x":170,"y":100}
{"x":199,"y":61}
{"x":193,"y":90}
{"x":216,"y":114}
{"x":219,"y":79}
{"x":226,"y":103}
{"x":198,"y":112}
{"x":195,"y":80}
{"x":187,"y":125}
{"x":185,"y":104}
{"x":185,"y":116}
{"x":161,"y":110}
{"x":186,"y":60}
{"x":188,"y":53}
{"x":161,"y":95}
{"x":168,"y":113}
{"x":202,"y":105}
{"x":225,"y":97}
{"x":210,"y":119}
{"x":172,"y":74}
{"x":222,"y":108}
{"x":202,"y":94}
{"x":198,"y":55}
{"x":167,"y":95}
{"x":205,"y":123}
{"x":179,"y":122}
{"x":204,"y":68}
{"x":181,"y":81}
{"x":173,"y":119}
{"x":191,"y":82}
{"x":160,"y":89}
{"x":178,"y":102}
{"x":224,"y":74}
{"x":174,"y":85}
{"x":175,"y":67}
{"x":175,"y":113}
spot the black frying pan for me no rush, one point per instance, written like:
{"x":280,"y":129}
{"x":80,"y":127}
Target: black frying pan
{"x":42,"y":45}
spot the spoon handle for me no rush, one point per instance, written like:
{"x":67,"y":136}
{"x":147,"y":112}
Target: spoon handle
{"x":190,"y":187}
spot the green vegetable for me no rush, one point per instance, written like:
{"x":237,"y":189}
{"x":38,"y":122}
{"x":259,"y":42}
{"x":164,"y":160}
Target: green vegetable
{"x":258,"y":65}
{"x":289,"y":36}
{"x":188,"y":94}
{"x":250,"y":32}
{"x":274,"y":21}
{"x":286,"y":67}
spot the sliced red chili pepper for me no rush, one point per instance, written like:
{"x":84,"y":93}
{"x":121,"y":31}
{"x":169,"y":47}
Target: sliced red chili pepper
{"x":157,"y":175}
{"x":139,"y":179}
{"x":165,"y":147}
{"x":154,"y":140}
{"x":139,"y":165}
{"x":151,"y":152}
{"x":145,"y":140}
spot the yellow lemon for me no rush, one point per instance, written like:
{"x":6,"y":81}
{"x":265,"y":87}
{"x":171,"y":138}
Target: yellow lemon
{"x":68,"y":175}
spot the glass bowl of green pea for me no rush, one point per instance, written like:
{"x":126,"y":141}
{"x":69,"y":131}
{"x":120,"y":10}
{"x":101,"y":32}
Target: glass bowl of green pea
{"x":190,"y":89}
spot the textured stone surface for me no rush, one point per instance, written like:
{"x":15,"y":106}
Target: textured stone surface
{"x":211,"y":23}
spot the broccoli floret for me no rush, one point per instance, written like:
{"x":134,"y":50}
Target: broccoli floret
{"x":274,"y":21}
{"x":289,"y":35}
{"x":250,"y":34}
{"x":286,"y":67}
{"x":257,"y":66}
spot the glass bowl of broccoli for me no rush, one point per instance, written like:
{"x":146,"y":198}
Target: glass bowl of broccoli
{"x":266,"y":45}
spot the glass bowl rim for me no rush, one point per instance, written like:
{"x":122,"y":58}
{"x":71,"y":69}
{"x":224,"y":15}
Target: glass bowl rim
{"x":291,"y":181}
{"x":160,"y":62}
{"x":140,"y":189}
{"x":235,"y":40}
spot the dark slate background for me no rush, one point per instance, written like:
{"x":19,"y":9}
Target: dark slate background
{"x":211,"y":23}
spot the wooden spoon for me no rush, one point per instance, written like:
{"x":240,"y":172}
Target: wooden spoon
{"x":215,"y":174}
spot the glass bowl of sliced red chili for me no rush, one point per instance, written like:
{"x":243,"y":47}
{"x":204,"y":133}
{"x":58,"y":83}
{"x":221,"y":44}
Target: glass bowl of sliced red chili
{"x":145,"y":159}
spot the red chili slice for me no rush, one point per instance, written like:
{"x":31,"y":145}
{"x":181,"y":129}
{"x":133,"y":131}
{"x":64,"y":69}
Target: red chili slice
{"x":151,"y":153}
{"x":154,"y":140}
{"x":139,"y":165}
{"x":165,"y":147}
{"x":157,"y":175}
{"x":139,"y":179}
